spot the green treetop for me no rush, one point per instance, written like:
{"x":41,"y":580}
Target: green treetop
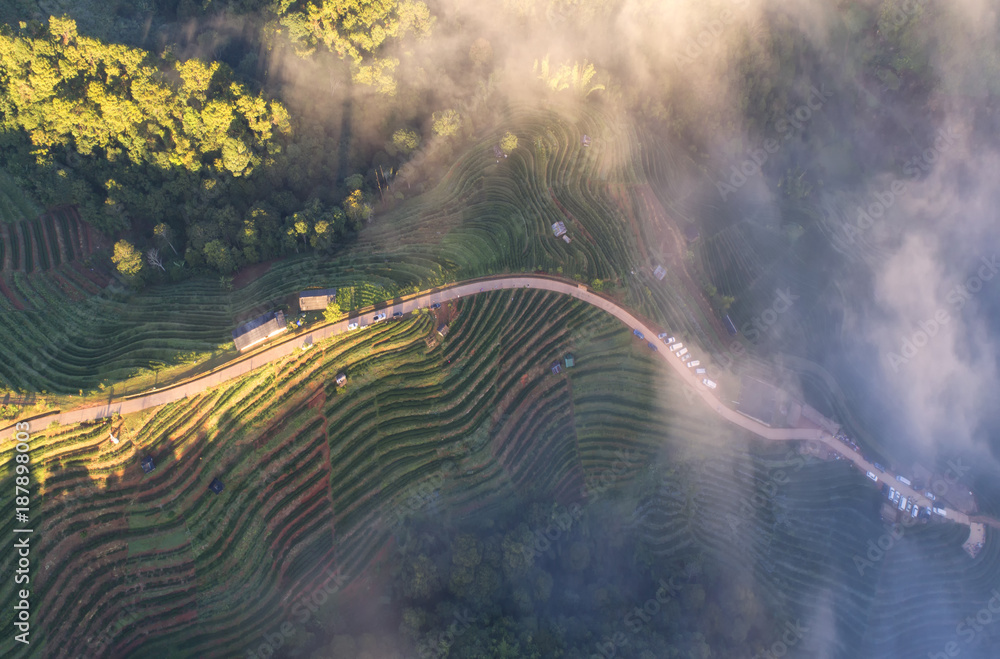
{"x":69,"y":91}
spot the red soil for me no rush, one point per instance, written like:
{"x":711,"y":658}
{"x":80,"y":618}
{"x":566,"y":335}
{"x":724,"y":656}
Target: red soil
{"x":250,"y":274}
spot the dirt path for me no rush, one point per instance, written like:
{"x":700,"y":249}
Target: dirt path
{"x":581,"y":292}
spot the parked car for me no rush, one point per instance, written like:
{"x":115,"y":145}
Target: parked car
{"x":638,"y":333}
{"x":652,"y":347}
{"x":436,"y":305}
{"x":930,"y":495}
{"x":377,"y":317}
{"x":352,"y":326}
{"x":397,"y":314}
{"x":661,"y":336}
{"x":872,"y":476}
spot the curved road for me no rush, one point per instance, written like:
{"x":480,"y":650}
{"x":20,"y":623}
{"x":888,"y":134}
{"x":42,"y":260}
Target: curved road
{"x":288,"y":346}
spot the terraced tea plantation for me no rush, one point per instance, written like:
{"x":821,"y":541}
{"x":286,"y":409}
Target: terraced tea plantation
{"x":315,"y":476}
{"x":317,"y":479}
{"x":479,"y":218}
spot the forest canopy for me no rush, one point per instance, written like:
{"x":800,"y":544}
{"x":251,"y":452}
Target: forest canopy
{"x":356,"y":30}
{"x":67,"y":90}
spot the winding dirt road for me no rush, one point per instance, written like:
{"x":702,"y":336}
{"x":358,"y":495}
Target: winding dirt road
{"x":289,"y":345}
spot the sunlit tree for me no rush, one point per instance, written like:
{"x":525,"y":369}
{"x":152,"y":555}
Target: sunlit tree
{"x":127,"y":259}
{"x":508,"y":142}
{"x":446,"y":123}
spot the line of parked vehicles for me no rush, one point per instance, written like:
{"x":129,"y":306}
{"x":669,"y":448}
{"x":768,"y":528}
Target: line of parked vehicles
{"x":679,"y":351}
{"x":379,"y":317}
{"x":904,"y":505}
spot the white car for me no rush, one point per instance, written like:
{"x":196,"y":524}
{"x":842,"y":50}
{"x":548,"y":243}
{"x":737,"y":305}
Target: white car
{"x":700,"y":371}
{"x":693,"y":364}
{"x":669,"y":340}
{"x":377,"y":317}
{"x":708,"y":383}
{"x":352,"y":326}
{"x":661,"y":335}
{"x":872,"y":476}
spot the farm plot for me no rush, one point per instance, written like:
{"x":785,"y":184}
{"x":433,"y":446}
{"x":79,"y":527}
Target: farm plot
{"x":480,"y":218}
{"x":315,"y":475}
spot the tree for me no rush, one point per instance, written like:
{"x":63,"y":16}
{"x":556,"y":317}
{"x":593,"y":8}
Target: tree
{"x":219,"y":256}
{"x":332,"y":312}
{"x":298,"y":227}
{"x":508,"y":142}
{"x":481,"y":52}
{"x":165,"y":233}
{"x":420,"y":577}
{"x":357,"y":209}
{"x":575,"y":77}
{"x":153,"y":258}
{"x":356,"y":30}
{"x":127,"y":259}
{"x":446,"y":123}
{"x":405,"y":140}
